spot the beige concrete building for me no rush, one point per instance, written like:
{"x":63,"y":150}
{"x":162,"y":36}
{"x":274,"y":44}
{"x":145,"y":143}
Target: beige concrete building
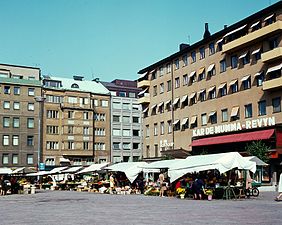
{"x":219,"y":93}
{"x":76,"y":121}
{"x":19,"y":116}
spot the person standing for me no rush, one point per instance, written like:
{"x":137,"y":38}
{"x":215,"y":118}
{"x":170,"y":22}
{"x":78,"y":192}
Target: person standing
{"x":162,"y":184}
{"x":279,"y":188}
{"x":112,"y":183}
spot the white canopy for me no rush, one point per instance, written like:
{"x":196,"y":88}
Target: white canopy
{"x":39,"y":173}
{"x":222,"y":162}
{"x":162,"y":164}
{"x":57,"y":170}
{"x":5,"y":170}
{"x":255,"y":159}
{"x":131,"y":169}
{"x":72,"y":169}
{"x":93,"y":168}
{"x":18,"y":170}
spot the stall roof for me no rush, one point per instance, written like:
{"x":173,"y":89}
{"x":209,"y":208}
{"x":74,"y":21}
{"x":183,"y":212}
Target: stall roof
{"x":93,"y":168}
{"x":72,"y":169}
{"x":255,"y":159}
{"x":5,"y":170}
{"x":162,"y":164}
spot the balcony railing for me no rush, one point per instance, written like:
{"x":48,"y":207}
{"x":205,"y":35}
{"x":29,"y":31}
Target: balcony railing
{"x":272,"y":54}
{"x":143,"y":83}
{"x":272,"y":84}
{"x":252,"y":36}
{"x":144,"y":99}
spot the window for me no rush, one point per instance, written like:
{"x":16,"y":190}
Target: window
{"x":202,"y":75}
{"x":6,"y":121}
{"x":211,"y":48}
{"x":204,"y":119}
{"x":260,"y":79}
{"x":116,"y":105}
{"x":126,"y":119}
{"x":177,"y":82}
{"x":17,"y":90}
{"x":155,"y":90}
{"x":126,"y":106}
{"x":135,"y":133}
{"x":16,"y":122}
{"x":135,"y":119}
{"x":202,"y":53}
{"x":223,"y":90}
{"x":246,"y":59}
{"x":212,"y":93}
{"x":30,"y":106}
{"x":50,"y":162}
{"x":104,"y":103}
{"x":54,"y":99}
{"x":169,"y":126}
{"x":52,"y":114}
{"x":193,"y":56}
{"x":213,"y":118}
{"x":248,"y":111}
{"x":176,"y":64}
{"x":234,"y":87}
{"x":122,"y":94}
{"x":30,"y":141}
{"x":116,"y":119}
{"x":224,"y":115}
{"x":15,"y":159}
{"x":16,"y":105}
{"x":85,"y":145}
{"x":156,"y":150}
{"x":126,"y":145}
{"x":185,"y":80}
{"x":222,"y":65}
{"x":30,"y":91}
{"x":219,"y":45}
{"x":5,"y":159}
{"x":95,"y":102}
{"x":131,"y":95}
{"x":247,"y":83}
{"x":147,"y":131}
{"x":234,"y":61}
{"x":273,"y":43}
{"x":169,"y":85}
{"x":136,"y":145}
{"x":135,"y":107}
{"x":52,"y":130}
{"x":276,"y":104}
{"x":29,"y":159}
{"x":155,"y":129}
{"x":7,"y":90}
{"x":70,"y":145}
{"x":126,"y":132}
{"x":161,"y":88}
{"x":202,"y":96}
{"x":161,"y":69}
{"x":262,"y":108}
{"x":30,"y":122}
{"x":154,"y":75}
{"x":162,"y":127}
{"x":185,"y":60}
{"x":168,"y":68}
{"x":5,"y":140}
{"x":85,"y":130}
{"x":77,"y":162}
{"x":6,"y":105}
{"x":15,"y":140}
{"x":99,"y":131}
{"x":116,"y":145}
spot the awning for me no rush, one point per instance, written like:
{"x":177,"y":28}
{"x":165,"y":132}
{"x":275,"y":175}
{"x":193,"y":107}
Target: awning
{"x":183,"y":99}
{"x":184,"y":121}
{"x":142,"y":75}
{"x":232,"y":82}
{"x":274,"y":68}
{"x":258,"y":74}
{"x":175,"y":101}
{"x":18,"y":170}
{"x":145,"y":110}
{"x":256,"y":51}
{"x":160,"y":104}
{"x":72,"y":169}
{"x":193,"y":73}
{"x":211,"y":89}
{"x":267,"y":18}
{"x":254,"y":24}
{"x":236,"y":30}
{"x":57,"y":170}
{"x":64,"y":160}
{"x":201,"y":70}
{"x":212,"y":113}
{"x":243,"y":55}
{"x":234,"y":111}
{"x":93,"y":168}
{"x":233,"y":138}
{"x":167,"y":102}
{"x":255,"y":159}
{"x":220,"y":40}
{"x":210,"y":67}
{"x":201,"y":91}
{"x":176,"y":122}
{"x":245,"y":78}
{"x":5,"y":170}
{"x":153,"y":106}
{"x":192,"y":95}
{"x":222,"y":85}
{"x":193,"y":120}
{"x":142,"y":92}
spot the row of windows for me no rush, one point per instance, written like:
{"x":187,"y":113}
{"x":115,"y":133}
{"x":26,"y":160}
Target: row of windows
{"x":125,"y":145}
{"x":15,"y":122}
{"x":51,"y":161}
{"x":7,"y":74}
{"x":17,"y":105}
{"x":70,"y":145}
{"x":14,"y":159}
{"x":212,"y":117}
{"x":54,"y":114}
{"x":13,"y":140}
{"x":126,"y":132}
{"x":125,"y":106}
{"x":17,"y":90}
{"x":126,"y":119}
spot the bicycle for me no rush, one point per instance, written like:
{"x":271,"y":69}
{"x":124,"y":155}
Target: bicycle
{"x":253,"y":191}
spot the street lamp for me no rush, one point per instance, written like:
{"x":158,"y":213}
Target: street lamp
{"x":40,"y":100}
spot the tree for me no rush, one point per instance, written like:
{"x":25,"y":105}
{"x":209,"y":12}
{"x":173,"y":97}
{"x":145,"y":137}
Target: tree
{"x":258,"y":149}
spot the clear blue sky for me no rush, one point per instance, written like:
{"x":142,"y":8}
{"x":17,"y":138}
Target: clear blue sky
{"x":108,"y":39}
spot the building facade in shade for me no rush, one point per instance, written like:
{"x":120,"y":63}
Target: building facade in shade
{"x":19,"y":116}
{"x":126,"y":121}
{"x":218,"y":94}
{"x":76,"y":121}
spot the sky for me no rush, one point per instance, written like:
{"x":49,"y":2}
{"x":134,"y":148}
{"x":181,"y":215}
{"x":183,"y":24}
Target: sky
{"x":108,"y":39}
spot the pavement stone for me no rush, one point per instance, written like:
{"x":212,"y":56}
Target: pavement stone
{"x":69,"y":207}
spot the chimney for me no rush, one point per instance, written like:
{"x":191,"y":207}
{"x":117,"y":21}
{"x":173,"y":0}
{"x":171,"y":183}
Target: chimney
{"x":97,"y":80}
{"x":183,"y":46}
{"x":207,"y":33}
{"x":225,"y":26}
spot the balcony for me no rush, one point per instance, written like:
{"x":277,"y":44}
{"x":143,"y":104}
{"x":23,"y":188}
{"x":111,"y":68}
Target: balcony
{"x":145,"y":99}
{"x":143,"y":83}
{"x":272,"y":54}
{"x":252,"y":36}
{"x":272,"y":84}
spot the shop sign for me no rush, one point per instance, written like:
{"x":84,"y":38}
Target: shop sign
{"x":236,"y":126}
{"x":166,"y":145}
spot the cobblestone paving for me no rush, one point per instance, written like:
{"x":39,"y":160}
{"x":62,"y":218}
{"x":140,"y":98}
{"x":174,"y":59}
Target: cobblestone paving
{"x":66,"y":207}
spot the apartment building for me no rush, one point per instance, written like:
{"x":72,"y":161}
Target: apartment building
{"x":218,"y":94}
{"x":126,"y":121}
{"x":19,"y":116}
{"x":76,"y":121}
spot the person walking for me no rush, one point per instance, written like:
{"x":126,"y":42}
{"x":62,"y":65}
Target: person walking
{"x":279,"y":189}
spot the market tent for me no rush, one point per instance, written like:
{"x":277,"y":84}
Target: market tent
{"x":18,"y":170}
{"x":57,"y":170}
{"x":93,"y":168}
{"x":131,"y":169}
{"x":72,"y":169}
{"x":162,"y":164}
{"x":222,"y":162}
{"x":5,"y":170}
{"x":255,"y":159}
{"x":39,"y":173}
